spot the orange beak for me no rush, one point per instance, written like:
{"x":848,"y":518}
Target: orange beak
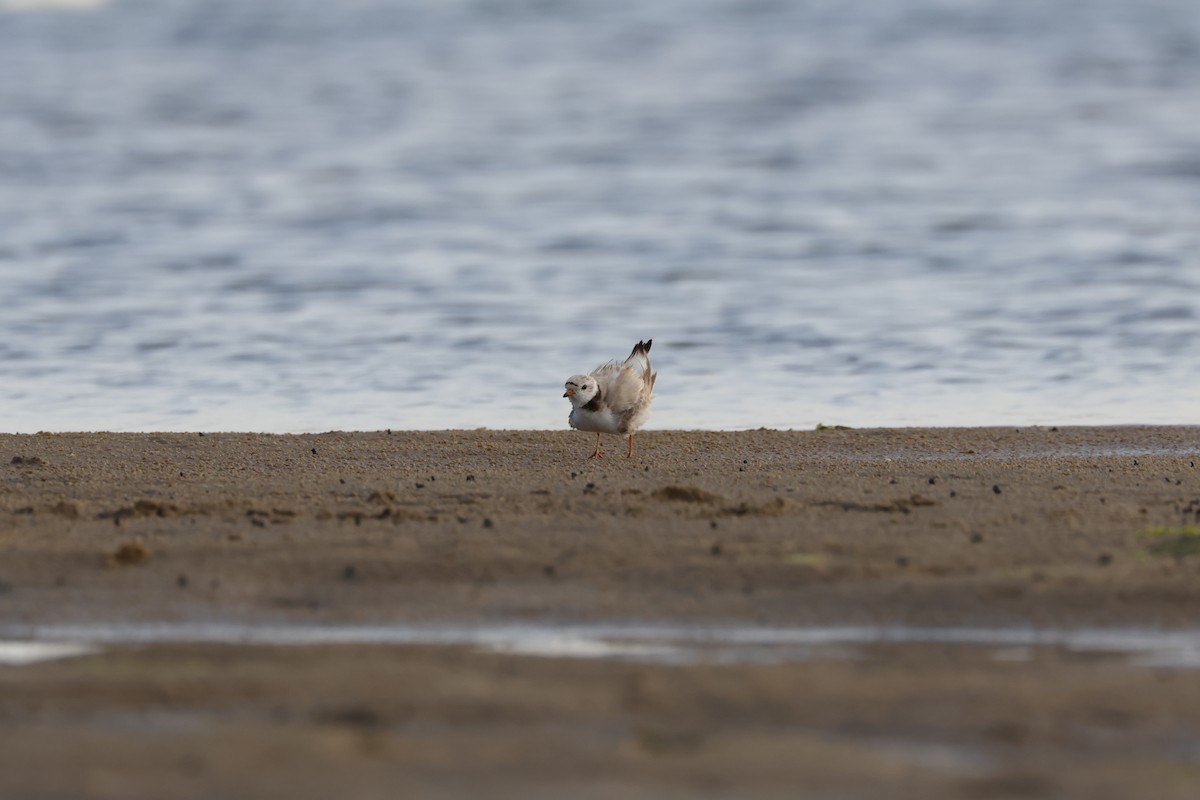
{"x":568,"y":392}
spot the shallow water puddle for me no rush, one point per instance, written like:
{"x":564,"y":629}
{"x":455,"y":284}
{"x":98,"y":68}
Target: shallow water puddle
{"x":17,"y":654}
{"x":683,"y":644}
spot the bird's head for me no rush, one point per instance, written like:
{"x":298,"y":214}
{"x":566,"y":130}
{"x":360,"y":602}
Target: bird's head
{"x":581,"y":389}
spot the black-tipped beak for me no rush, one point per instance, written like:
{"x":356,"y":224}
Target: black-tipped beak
{"x":568,"y":392}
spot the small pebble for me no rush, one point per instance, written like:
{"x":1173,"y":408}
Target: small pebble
{"x":932,"y":481}
{"x":182,"y":581}
{"x":715,"y":550}
{"x":349,"y":573}
{"x":996,"y":488}
{"x":548,"y":570}
{"x":487,"y":522}
{"x":976,"y":538}
{"x":314,"y":451}
{"x":470,"y":477}
{"x":419,"y":485}
{"x":901,"y":561}
{"x":1104,"y":560}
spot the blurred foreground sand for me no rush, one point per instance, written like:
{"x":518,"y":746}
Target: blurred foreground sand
{"x":1079,"y":527}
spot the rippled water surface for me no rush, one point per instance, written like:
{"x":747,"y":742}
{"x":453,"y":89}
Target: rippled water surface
{"x":303,"y":215}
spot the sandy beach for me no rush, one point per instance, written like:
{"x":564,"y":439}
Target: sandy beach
{"x":1035,"y":528}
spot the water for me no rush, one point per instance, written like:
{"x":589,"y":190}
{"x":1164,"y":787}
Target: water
{"x":651,"y":643}
{"x":294,"y":215}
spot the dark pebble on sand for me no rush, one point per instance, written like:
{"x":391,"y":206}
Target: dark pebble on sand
{"x":892,"y":482}
{"x":712,"y":523}
{"x":996,"y":488}
{"x":470,"y":477}
{"x":932,"y":481}
{"x":901,"y":561}
{"x":976,"y":538}
{"x":953,"y":493}
{"x":715,"y":550}
{"x":1104,"y":560}
{"x":419,"y":485}
{"x":487,"y":522}
{"x":1054,"y":430}
{"x":182,"y":581}
{"x":314,"y":451}
{"x":350,"y":572}
{"x":548,"y":570}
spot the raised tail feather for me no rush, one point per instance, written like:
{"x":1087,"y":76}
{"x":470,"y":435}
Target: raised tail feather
{"x":643,"y":349}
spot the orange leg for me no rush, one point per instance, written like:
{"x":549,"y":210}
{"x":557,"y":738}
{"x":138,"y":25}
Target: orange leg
{"x":597,"y":454}
{"x":630,"y":453}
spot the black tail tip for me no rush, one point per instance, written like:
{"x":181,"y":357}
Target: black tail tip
{"x":643,"y":347}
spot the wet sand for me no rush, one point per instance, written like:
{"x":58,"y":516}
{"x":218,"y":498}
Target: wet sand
{"x":1078,"y":528}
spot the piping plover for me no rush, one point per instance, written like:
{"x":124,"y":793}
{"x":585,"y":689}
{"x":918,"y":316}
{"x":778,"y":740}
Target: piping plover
{"x":614,"y":397}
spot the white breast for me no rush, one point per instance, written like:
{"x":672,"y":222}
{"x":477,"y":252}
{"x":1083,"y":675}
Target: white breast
{"x":603,"y":421}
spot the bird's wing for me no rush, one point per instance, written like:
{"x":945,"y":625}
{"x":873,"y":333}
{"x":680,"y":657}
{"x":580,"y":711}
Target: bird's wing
{"x":629,"y":383}
{"x":622,"y":387}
